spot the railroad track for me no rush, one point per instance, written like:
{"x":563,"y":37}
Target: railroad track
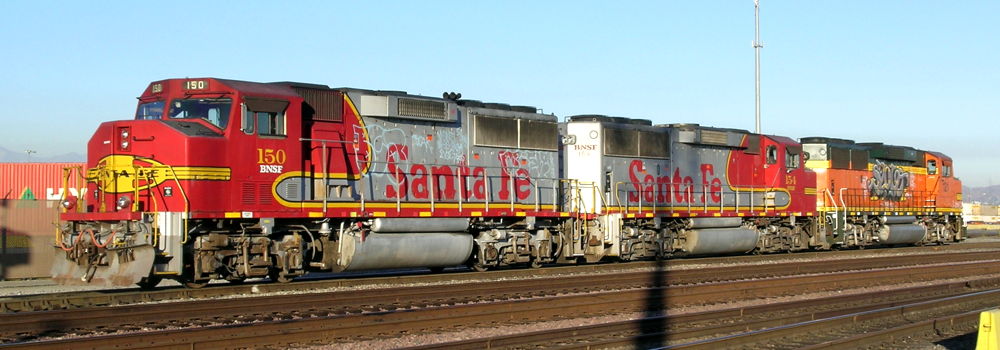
{"x":90,"y":299}
{"x":794,"y":324}
{"x":21,"y":325}
{"x":352,"y":315}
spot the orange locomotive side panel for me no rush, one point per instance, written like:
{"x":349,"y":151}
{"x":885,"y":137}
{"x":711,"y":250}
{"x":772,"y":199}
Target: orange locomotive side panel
{"x":879,"y":178}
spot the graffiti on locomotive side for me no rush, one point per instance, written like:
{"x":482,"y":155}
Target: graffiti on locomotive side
{"x":678,"y":188}
{"x":513,"y":175}
{"x":418,"y":180}
{"x":888,"y":181}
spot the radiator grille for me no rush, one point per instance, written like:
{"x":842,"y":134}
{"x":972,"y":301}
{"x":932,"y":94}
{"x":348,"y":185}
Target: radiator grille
{"x":422,"y":108}
{"x":292,"y":190}
{"x":713,"y":137}
{"x":264,"y":194}
{"x":249,"y":194}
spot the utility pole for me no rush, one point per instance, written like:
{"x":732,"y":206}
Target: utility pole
{"x":756,"y":48}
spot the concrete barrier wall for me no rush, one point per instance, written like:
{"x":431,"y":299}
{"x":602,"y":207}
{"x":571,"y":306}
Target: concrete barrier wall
{"x":27,"y":231}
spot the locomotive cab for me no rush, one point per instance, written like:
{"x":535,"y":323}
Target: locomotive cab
{"x":941,"y":180}
{"x":175,"y":160}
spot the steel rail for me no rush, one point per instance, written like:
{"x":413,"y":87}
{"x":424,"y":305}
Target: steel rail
{"x":377,"y":314}
{"x":653,"y":330}
{"x":779,"y":264}
{"x":68,"y":301}
{"x":73,"y":300}
{"x":978,"y":301}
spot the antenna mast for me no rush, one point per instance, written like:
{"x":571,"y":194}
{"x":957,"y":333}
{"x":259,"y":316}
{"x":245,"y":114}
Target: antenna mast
{"x":756,"y":48}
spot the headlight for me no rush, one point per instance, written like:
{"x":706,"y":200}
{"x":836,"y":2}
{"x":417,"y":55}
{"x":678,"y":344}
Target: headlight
{"x":123,"y":202}
{"x":123,"y":139}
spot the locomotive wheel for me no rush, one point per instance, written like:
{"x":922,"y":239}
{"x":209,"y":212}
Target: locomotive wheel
{"x":535,"y":263}
{"x":479,"y":267}
{"x":149,"y":282}
{"x":195,"y":285}
{"x":277,"y":276}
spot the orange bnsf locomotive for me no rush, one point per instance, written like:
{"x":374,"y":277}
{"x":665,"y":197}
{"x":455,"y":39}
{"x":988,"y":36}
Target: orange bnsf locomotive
{"x":223,"y":179}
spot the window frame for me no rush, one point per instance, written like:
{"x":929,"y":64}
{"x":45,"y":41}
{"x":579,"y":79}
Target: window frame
{"x":793,"y":160}
{"x":224,"y":109}
{"x":250,"y":117}
{"x":145,"y":106}
{"x":276,"y":122}
{"x":771,"y":154}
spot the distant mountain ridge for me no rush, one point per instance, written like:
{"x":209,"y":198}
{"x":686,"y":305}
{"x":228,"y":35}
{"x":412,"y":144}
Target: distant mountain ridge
{"x":986,"y":195}
{"x":8,"y":156}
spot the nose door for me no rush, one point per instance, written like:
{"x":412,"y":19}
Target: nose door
{"x":270,"y":149}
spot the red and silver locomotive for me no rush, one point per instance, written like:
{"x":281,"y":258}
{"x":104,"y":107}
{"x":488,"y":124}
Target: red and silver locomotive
{"x":224,"y":179}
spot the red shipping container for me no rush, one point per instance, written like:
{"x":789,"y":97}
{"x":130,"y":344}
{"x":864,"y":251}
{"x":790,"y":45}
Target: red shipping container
{"x":40,"y":181}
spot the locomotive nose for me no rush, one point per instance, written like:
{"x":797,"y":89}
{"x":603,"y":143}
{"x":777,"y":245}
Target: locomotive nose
{"x":121,"y":165}
{"x":121,"y":137}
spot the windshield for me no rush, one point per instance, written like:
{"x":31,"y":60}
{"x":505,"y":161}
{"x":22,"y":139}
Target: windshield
{"x":212,"y":110}
{"x":150,"y":110}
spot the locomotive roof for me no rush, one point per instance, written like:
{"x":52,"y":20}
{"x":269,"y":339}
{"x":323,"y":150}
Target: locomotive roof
{"x":827,"y":140}
{"x":940,"y":155}
{"x":609,"y":119}
{"x":893,"y":152}
{"x":283,"y":89}
{"x":692,"y":126}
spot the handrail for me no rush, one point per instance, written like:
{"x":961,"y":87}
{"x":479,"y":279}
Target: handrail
{"x":690,"y":197}
{"x":836,"y":209}
{"x":326,"y":169}
{"x":187,"y":202}
{"x":135,"y":188}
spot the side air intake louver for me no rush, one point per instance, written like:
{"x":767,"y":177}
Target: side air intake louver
{"x":422,"y":108}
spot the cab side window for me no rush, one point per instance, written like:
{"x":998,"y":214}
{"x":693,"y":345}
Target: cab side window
{"x":772,"y":154}
{"x":270,"y":123}
{"x":266,"y":117}
{"x":248,"y":122}
{"x":792,"y":158}
{"x":931,"y":167}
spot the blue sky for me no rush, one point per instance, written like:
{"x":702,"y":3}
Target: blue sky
{"x":918,"y":73}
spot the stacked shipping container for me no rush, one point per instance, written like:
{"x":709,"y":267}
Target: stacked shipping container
{"x":29,"y":212}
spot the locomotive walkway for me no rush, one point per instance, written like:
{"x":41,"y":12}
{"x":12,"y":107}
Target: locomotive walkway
{"x":394,"y":310}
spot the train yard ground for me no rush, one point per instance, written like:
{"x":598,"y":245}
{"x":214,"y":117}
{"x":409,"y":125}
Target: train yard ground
{"x":905,"y":297}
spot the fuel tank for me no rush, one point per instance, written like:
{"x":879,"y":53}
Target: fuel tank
{"x":893,"y":220}
{"x":901,"y":234}
{"x":720,"y":240}
{"x":403,"y":250}
{"x":385,"y":225}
